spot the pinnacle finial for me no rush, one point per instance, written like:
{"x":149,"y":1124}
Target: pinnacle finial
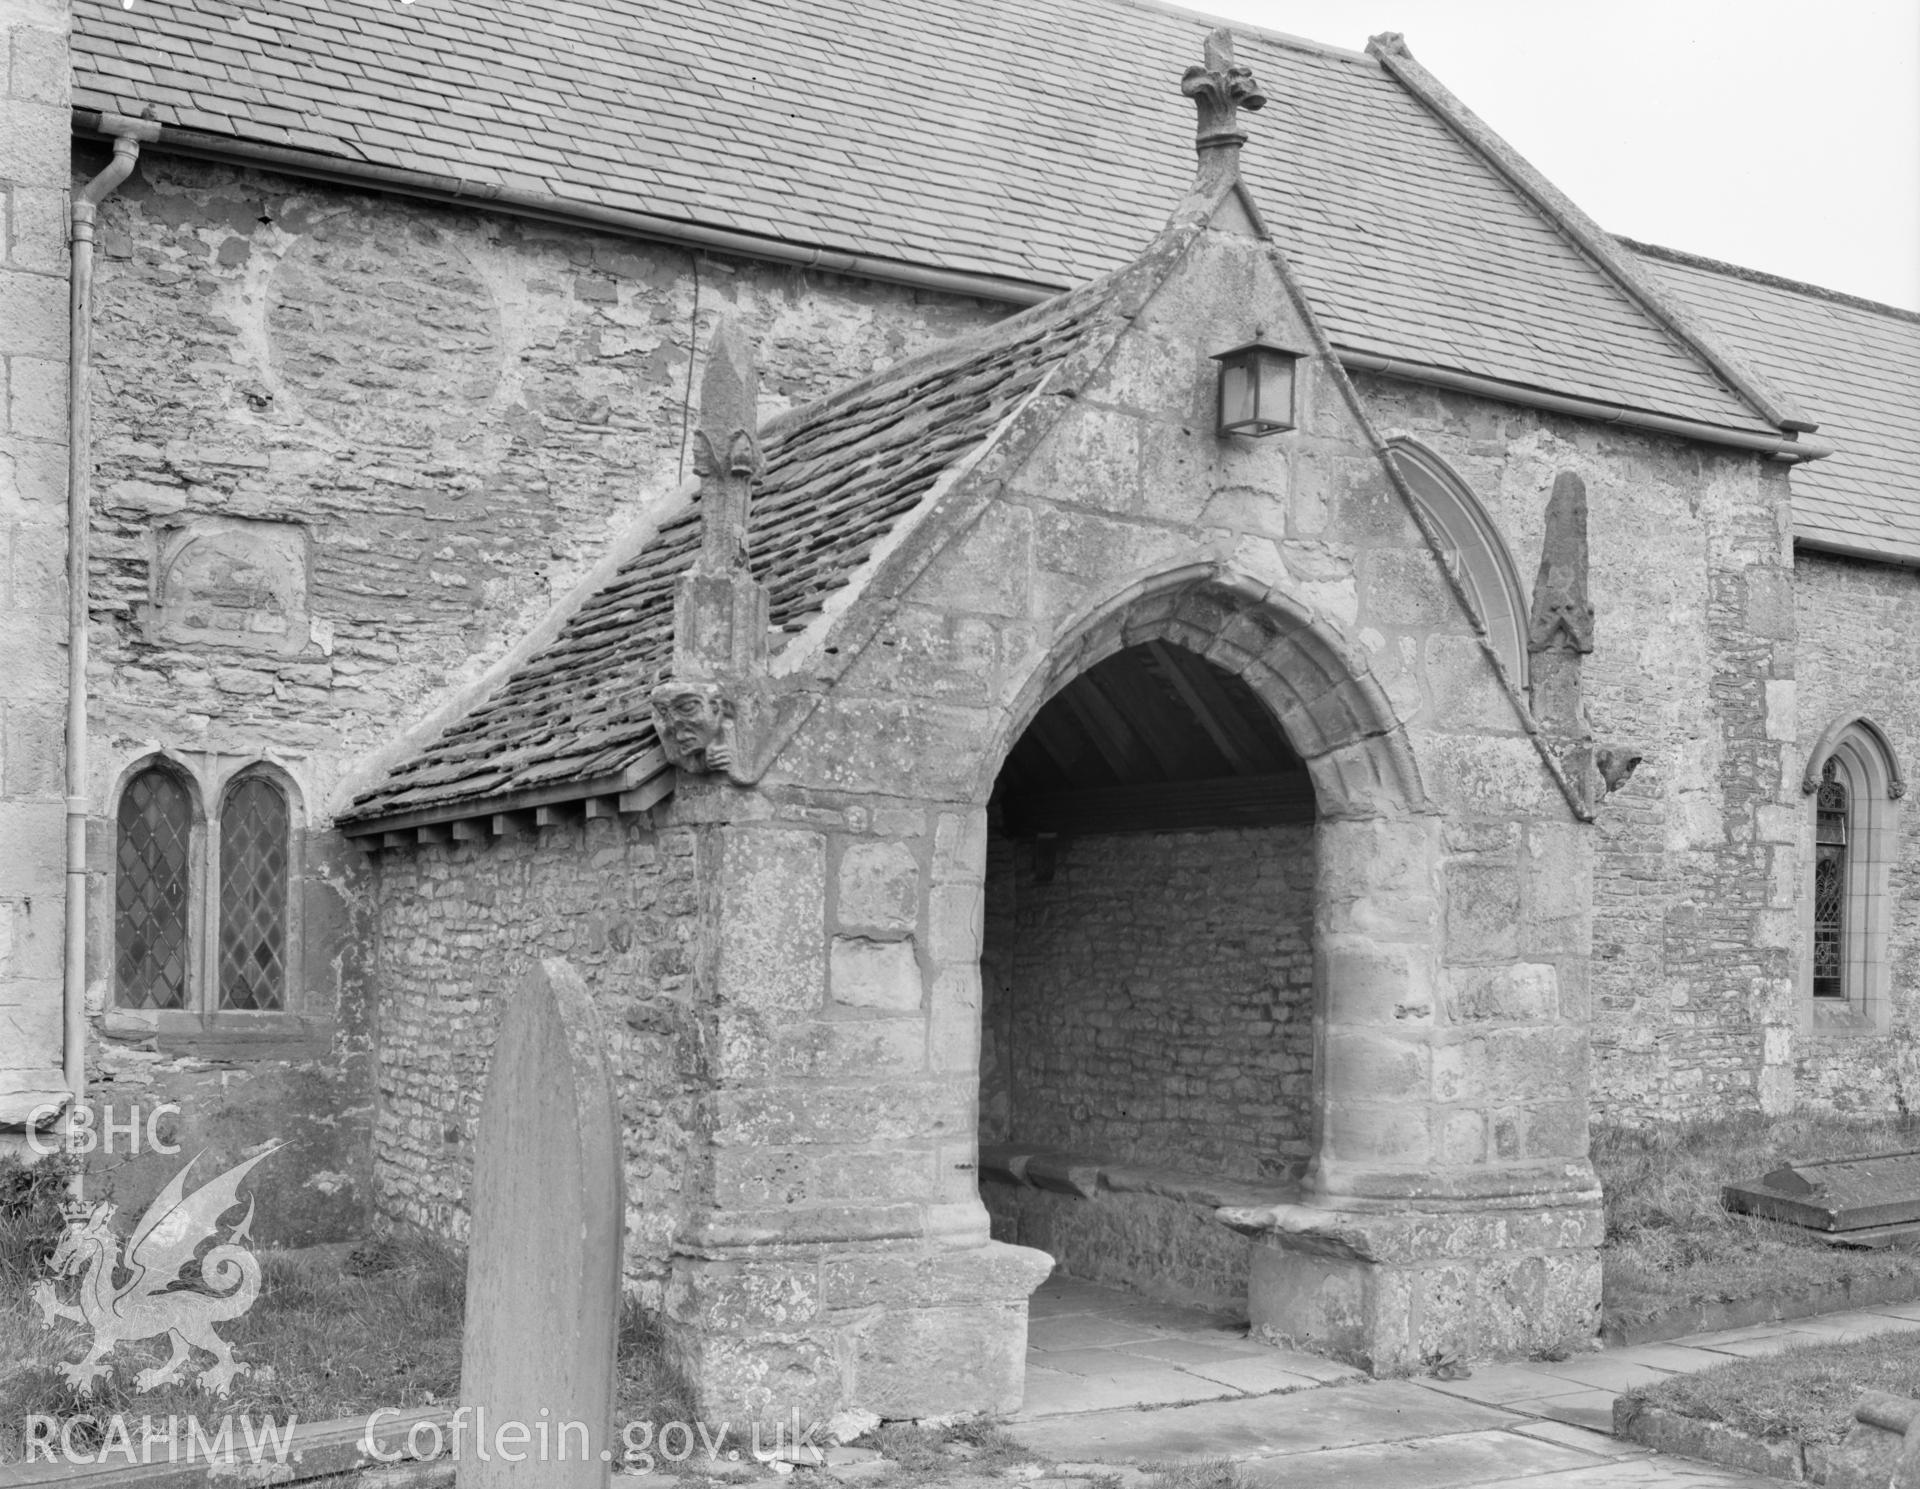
{"x":727,"y":445}
{"x":1220,"y":87}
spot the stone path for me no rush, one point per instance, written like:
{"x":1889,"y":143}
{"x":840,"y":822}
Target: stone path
{"x":1092,"y":1348}
{"x":1112,"y":1379}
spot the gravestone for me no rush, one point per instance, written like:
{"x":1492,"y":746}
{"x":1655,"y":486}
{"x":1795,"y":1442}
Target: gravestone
{"x":543,"y":1258}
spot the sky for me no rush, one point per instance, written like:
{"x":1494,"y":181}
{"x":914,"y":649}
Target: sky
{"x":1782,"y":135}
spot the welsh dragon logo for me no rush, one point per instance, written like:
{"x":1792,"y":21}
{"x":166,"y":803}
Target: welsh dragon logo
{"x":155,"y":1299}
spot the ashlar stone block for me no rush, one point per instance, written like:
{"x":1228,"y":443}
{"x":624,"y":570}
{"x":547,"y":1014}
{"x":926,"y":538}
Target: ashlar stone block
{"x":1483,"y":911}
{"x":926,"y":1361}
{"x":1522,"y":992}
{"x":879,"y":887}
{"x":880,"y":975}
{"x":1377,"y":982}
{"x":772,"y":939}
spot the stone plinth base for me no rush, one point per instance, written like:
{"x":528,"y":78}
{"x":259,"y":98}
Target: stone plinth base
{"x":899,"y":1328}
{"x":1391,"y":1293}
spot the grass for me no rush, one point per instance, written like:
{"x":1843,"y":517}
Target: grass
{"x":330,"y":1335}
{"x":323,"y":1340}
{"x":1805,"y":1394}
{"x":1671,"y":1244}
{"x":974,"y":1447}
{"x":1205,"y":1473}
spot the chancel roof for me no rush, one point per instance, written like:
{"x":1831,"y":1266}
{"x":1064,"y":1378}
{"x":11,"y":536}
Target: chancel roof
{"x":1852,"y":365}
{"x":839,"y":476}
{"x":1036,"y":140}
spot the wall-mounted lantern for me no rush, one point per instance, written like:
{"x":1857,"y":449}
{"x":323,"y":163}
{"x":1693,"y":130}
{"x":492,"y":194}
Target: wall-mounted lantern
{"x":1256,"y":388}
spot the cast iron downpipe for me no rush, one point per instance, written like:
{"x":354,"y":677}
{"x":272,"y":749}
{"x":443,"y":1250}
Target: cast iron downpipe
{"x":127,"y":135}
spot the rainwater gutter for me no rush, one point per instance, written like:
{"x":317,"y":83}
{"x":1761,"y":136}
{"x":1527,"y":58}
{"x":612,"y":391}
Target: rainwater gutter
{"x":1780,"y":447}
{"x":1841,"y":548}
{"x":432,"y":186}
{"x":126,"y":135}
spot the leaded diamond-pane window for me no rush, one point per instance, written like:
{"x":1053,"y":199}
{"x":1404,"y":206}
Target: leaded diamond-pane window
{"x":151,"y":887}
{"x":253,"y":896}
{"x":1830,"y":886}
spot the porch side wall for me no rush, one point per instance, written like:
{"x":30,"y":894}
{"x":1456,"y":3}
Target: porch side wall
{"x":460,"y":930}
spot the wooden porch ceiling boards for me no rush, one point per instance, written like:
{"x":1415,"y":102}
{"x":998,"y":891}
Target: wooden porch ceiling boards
{"x":1155,"y":738}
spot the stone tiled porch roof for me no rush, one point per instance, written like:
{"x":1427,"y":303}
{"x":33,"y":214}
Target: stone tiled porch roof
{"x":1037,"y":140}
{"x":840,"y":474}
{"x":1854,"y":366}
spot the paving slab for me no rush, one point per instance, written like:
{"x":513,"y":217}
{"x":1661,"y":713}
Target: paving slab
{"x":1055,"y":1393}
{"x":1259,"y":1426}
{"x":1852,"y":1324}
{"x":1675,"y":1358}
{"x":1170,"y":1316}
{"x":1592,"y":1409}
{"x":1069,"y":1295}
{"x":1600,"y":1444}
{"x":1255,"y":1377}
{"x":1641,"y":1473}
{"x":1185,"y":1350}
{"x":1754,"y":1349}
{"x":1083,"y":1331}
{"x":1114,"y":1364}
{"x":1899,"y":1310}
{"x":1426,"y":1463}
{"x":1608,"y":1371}
{"x":1496,"y":1385}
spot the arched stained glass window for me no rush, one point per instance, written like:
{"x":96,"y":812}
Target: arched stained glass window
{"x":152,"y":889}
{"x":254,"y":879}
{"x":1831,"y":830}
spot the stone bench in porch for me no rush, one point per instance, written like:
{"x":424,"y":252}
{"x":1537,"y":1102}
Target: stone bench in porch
{"x":1153,"y":1230}
{"x":1388,"y":1291}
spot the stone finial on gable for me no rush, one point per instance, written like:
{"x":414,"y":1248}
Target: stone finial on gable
{"x":1562,"y":614}
{"x":1560,"y":622}
{"x":1220,"y":88}
{"x":712,"y":692}
{"x":726,"y":452}
{"x":1559,"y":634}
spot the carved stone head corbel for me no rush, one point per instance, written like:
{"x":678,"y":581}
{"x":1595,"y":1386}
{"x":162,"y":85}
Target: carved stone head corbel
{"x":695,"y":721}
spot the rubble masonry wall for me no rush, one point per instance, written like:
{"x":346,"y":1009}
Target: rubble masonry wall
{"x":1153,"y":1003}
{"x":462,"y":927}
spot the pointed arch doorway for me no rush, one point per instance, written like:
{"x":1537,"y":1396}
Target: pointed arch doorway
{"x":1147,"y":1045}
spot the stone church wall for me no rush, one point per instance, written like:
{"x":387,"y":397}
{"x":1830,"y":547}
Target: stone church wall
{"x":1153,"y":1003}
{"x":460,"y":928}
{"x":348,"y":449}
{"x":33,"y":581}
{"x":1692,"y":998}
{"x":1859,"y":653}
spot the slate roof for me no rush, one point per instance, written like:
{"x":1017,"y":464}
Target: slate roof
{"x":839,"y":475}
{"x":1852,"y":365}
{"x":1042,"y":140}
